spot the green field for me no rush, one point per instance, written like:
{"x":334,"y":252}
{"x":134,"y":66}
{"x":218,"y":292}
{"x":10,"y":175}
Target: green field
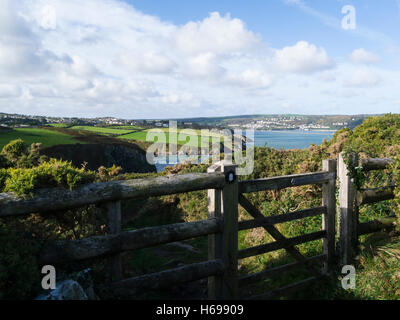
{"x":183,"y":139}
{"x":46,"y":137}
{"x":104,"y":130}
{"x":51,"y":137}
{"x":59,"y":125}
{"x":126,"y":127}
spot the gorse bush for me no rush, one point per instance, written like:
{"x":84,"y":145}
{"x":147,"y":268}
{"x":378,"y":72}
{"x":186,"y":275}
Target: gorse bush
{"x":23,"y":170}
{"x":54,"y":173}
{"x":15,"y":150}
{"x":4,"y":162}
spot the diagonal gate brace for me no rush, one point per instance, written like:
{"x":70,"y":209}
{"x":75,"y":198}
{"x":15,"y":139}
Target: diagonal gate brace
{"x":274,"y":232}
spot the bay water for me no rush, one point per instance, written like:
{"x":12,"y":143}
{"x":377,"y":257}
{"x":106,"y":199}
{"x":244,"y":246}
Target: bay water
{"x":290,"y":139}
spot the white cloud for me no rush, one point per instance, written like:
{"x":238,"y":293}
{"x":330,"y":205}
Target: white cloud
{"x":70,"y":82}
{"x":82,"y":68}
{"x":103,"y":57}
{"x":20,"y":48}
{"x":177,"y":98}
{"x":203,"y":65}
{"x":48,"y":18}
{"x":9,"y":91}
{"x":303,"y":58}
{"x":148,"y":62}
{"x":327,"y":77}
{"x":252,"y":79}
{"x":215,"y":34}
{"x":361,"y":56}
{"x":363,"y":78}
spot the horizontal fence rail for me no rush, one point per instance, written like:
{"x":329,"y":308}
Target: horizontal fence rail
{"x":281,"y":244}
{"x":277,"y":271}
{"x":368,"y":196}
{"x":57,"y":199}
{"x":285,"y":217}
{"x":71,"y":250}
{"x":277,"y":183}
{"x":375,"y":163}
{"x":168,"y":278}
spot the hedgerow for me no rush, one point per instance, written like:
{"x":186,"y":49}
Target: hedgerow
{"x":23,"y":171}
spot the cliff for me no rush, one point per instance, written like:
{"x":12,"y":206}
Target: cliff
{"x":131,"y":159}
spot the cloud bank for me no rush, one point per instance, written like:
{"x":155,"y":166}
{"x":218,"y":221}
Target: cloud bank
{"x":104,"y":57}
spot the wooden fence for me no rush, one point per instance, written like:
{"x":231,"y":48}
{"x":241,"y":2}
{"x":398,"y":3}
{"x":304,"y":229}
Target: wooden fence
{"x":350,"y":200}
{"x":225,"y":194}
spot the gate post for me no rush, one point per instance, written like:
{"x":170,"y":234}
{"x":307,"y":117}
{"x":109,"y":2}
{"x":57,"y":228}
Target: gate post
{"x":223,"y":204}
{"x":348,"y":219}
{"x":114,"y":227}
{"x":329,"y":219}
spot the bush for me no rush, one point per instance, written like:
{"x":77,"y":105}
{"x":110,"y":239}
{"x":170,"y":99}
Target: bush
{"x":54,"y":173}
{"x":15,"y":150}
{"x":19,"y":275}
{"x":4,"y":162}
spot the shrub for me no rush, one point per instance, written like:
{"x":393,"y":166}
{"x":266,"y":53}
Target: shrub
{"x":15,"y":150}
{"x":53,"y":173}
{"x":19,"y":276}
{"x":4,"y":162}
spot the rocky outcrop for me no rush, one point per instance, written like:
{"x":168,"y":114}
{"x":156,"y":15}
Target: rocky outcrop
{"x":79,"y":287}
{"x":66,"y":290}
{"x":131,"y":159}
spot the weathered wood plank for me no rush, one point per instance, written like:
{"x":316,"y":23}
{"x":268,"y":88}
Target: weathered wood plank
{"x":348,"y":218}
{"x":329,"y":218}
{"x":277,"y":183}
{"x":114,"y":227}
{"x":282,"y":244}
{"x":281,"y":218}
{"x":215,"y":240}
{"x":56,"y":199}
{"x":70,"y":250}
{"x":375,"y":163}
{"x":368,"y":196}
{"x":166,"y":279}
{"x":377,"y":225}
{"x":277,"y":271}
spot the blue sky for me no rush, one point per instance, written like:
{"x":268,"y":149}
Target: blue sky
{"x":180,"y":58}
{"x":281,"y":23}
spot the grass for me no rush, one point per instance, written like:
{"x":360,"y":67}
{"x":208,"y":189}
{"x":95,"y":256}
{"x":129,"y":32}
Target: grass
{"x":378,"y":267}
{"x":59,"y":125}
{"x":30,"y":135}
{"x":127,"y":127}
{"x":183,"y":138}
{"x":105,"y":130}
{"x":192,"y":139}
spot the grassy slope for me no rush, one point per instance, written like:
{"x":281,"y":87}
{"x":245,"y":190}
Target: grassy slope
{"x":128,"y":133}
{"x":183,"y":139}
{"x":191,"y":138}
{"x":102,"y":130}
{"x":29,"y":135}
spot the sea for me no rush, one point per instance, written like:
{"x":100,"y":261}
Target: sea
{"x":290,"y":139}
